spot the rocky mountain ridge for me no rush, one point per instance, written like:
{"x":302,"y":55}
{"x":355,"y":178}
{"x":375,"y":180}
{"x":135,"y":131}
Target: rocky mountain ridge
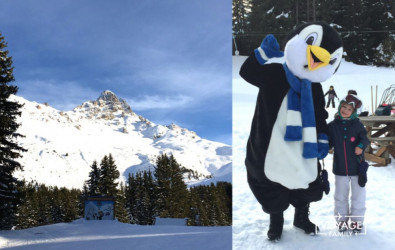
{"x":63,"y":144}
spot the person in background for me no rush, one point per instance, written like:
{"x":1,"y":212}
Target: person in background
{"x":331,"y":96}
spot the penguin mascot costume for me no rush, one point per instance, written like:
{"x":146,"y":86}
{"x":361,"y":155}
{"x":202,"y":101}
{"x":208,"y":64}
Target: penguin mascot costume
{"x":289,"y":132}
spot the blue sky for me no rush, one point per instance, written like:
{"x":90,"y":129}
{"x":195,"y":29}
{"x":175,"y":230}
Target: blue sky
{"x":170,"y":60}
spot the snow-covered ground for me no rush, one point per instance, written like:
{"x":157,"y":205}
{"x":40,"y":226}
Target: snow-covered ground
{"x":250,"y":223}
{"x":86,"y":235}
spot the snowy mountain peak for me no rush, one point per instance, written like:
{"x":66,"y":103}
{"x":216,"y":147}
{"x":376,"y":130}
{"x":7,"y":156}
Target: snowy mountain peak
{"x":105,"y":106}
{"x":62,"y":145}
{"x":109,"y":99}
{"x":179,"y":130}
{"x":108,"y":96}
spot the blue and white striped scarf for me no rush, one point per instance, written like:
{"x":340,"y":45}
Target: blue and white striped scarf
{"x":300,"y":115}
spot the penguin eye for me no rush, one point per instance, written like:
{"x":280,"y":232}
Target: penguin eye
{"x":310,"y":39}
{"x":334,"y":59}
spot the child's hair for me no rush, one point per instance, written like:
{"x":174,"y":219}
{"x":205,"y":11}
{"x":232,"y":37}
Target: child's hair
{"x":352,"y":92}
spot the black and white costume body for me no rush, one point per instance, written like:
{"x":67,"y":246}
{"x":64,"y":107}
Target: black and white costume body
{"x":279,"y":172}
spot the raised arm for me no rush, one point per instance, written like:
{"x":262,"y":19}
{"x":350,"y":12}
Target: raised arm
{"x":252,"y":69}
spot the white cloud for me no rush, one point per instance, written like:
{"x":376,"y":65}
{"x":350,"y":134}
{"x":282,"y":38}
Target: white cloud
{"x":160,"y":102}
{"x":60,"y":95}
{"x":199,"y":81}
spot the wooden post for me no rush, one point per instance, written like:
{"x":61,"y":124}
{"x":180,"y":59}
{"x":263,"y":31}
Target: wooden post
{"x":381,"y":151}
{"x":376,"y":98}
{"x":371,"y":95}
{"x":380,"y":160}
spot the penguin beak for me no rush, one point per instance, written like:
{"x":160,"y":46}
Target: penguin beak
{"x":317,"y":57}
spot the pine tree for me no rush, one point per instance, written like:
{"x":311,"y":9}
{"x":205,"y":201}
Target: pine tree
{"x":141,"y":196}
{"x":29,"y":210}
{"x":141,"y":200}
{"x":94,"y":180}
{"x":44,"y":209}
{"x":239,"y":15}
{"x":56,"y":207}
{"x":222,"y":197}
{"x":239,"y":22}
{"x":161,"y":173}
{"x":25,"y":209}
{"x":275,"y":17}
{"x":172,"y":193}
{"x":226,"y":196}
{"x":385,"y":55}
{"x":203,"y":205}
{"x":108,"y":176}
{"x":383,"y":45}
{"x":108,"y":186}
{"x":194,"y":203}
{"x":149,"y":184}
{"x":69,"y":204}
{"x":131,"y":198}
{"x":121,"y":212}
{"x":9,"y":149}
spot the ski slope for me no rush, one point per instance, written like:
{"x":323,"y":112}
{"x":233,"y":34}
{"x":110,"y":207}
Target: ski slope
{"x":85,"y":235}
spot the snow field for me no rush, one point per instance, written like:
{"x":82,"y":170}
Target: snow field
{"x":114,"y":235}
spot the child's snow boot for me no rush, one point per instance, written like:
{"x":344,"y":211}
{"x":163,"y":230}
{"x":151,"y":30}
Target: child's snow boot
{"x":276,"y":226}
{"x":343,"y":226}
{"x":356,"y":227}
{"x":301,"y":220}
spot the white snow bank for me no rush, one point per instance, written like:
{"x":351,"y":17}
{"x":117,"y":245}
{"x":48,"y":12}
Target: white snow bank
{"x":85,"y":235}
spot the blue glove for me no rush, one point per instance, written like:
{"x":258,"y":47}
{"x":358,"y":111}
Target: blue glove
{"x":362,"y":176}
{"x":269,"y":48}
{"x":323,"y":146}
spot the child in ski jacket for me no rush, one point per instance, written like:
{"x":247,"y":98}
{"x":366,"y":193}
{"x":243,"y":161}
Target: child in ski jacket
{"x":331,"y":96}
{"x":347,"y":136}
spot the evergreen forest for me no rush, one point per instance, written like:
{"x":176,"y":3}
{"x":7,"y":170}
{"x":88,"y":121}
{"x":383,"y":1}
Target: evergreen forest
{"x":145,"y":195}
{"x":366,"y":27}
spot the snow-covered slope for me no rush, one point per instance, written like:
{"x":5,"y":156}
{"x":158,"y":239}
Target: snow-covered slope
{"x":250,"y":223}
{"x":105,"y":234}
{"x":62,"y":145}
